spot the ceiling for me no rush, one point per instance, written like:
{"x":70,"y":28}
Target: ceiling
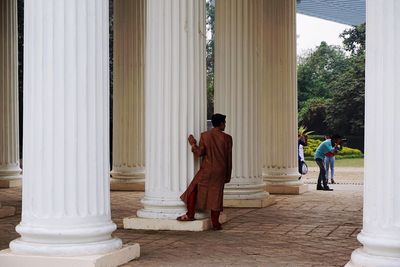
{"x":351,"y":12}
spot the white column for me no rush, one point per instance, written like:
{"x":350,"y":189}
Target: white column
{"x":10,"y":171}
{"x":175,"y":98}
{"x":128,"y":96}
{"x":380,"y":235}
{"x":66,"y":199}
{"x":237,"y":94}
{"x":279,"y":108}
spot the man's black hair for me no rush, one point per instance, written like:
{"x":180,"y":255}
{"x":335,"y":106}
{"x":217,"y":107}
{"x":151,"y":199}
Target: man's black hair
{"x":217,"y":119}
{"x":335,"y":136}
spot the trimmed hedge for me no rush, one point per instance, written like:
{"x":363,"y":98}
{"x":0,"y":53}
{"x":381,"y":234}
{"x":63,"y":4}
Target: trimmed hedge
{"x":352,"y":140}
{"x":346,"y":152}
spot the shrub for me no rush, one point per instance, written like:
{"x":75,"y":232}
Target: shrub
{"x":317,"y":137}
{"x":312,"y":145}
{"x":346,"y":152}
{"x":349,"y":151}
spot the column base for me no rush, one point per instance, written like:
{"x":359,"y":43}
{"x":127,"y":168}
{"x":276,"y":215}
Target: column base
{"x":138,"y":223}
{"x":247,"y":196}
{"x":6,"y":211}
{"x":287,"y":189}
{"x":249,"y":203}
{"x":118,"y":185}
{"x":9,"y":183}
{"x":111,"y":259}
{"x":360,"y":258}
{"x":126,"y":179}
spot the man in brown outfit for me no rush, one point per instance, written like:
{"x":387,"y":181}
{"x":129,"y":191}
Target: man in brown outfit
{"x":206,"y":191}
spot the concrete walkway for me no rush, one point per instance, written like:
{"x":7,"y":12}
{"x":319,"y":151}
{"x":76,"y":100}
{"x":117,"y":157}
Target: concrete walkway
{"x":317,"y":228}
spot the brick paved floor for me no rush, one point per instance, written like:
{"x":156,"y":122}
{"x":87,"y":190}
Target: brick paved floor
{"x":343,"y":175}
{"x":314,"y":229}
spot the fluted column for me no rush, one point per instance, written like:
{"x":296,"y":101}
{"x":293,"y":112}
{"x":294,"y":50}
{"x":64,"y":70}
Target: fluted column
{"x":237,"y":94}
{"x":175,"y":98}
{"x":10,"y":171}
{"x":128,"y":96}
{"x":66,"y":199}
{"x":380,"y":235}
{"x":279,"y":96}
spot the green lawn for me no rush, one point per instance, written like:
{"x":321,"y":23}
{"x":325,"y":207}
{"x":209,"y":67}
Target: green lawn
{"x":342,"y":163}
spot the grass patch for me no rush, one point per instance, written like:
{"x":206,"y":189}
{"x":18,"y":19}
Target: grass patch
{"x":357,"y":162}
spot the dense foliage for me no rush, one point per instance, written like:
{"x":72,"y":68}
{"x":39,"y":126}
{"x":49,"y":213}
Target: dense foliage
{"x":331,"y":86}
{"x":210,"y":47}
{"x":313,"y":114}
{"x":317,"y":70}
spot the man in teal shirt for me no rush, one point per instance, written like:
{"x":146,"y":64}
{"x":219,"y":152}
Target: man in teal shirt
{"x":329,"y":145}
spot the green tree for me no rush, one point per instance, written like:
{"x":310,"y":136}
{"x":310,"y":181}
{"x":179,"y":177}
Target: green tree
{"x":317,"y":70}
{"x":331,"y":86}
{"x":313,"y":114}
{"x":346,"y":109}
{"x":354,"y":39}
{"x":210,"y":48}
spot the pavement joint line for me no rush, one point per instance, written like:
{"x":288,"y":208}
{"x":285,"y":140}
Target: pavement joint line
{"x":337,"y":227}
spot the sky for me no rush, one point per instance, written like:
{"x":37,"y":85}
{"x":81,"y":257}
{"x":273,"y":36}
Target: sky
{"x":311,"y":31}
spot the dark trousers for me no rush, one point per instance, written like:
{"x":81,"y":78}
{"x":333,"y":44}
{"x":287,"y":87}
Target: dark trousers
{"x":191,"y":205}
{"x":322,"y":182}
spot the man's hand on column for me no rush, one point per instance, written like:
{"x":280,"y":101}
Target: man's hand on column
{"x":192,"y":140}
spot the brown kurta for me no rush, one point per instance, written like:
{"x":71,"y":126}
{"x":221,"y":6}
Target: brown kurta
{"x":215,"y":148}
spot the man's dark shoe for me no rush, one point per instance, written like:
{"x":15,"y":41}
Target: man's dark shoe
{"x":327,"y":189}
{"x":320,"y":188}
